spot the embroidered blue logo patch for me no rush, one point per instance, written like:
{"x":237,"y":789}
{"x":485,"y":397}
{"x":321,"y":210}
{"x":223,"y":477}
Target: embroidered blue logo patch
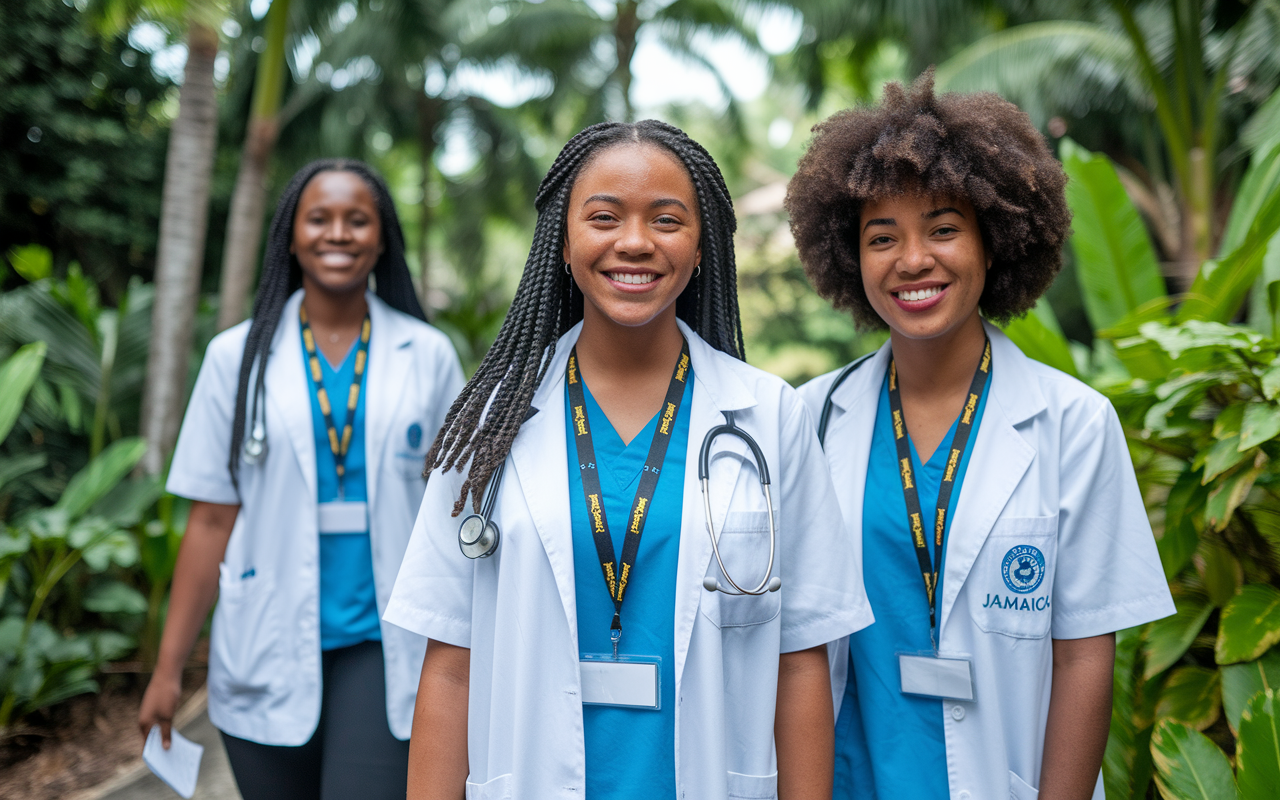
{"x":415,"y":436}
{"x":1023,"y":569}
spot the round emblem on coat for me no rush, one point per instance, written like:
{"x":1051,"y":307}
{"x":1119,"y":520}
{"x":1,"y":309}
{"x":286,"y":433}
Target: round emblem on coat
{"x":415,"y":436}
{"x":1023,"y":569}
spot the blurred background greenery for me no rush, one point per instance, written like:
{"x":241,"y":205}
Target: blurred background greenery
{"x":143,"y":143}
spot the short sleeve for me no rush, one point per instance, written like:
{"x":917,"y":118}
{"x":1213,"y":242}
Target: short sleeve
{"x":199,"y":469}
{"x":823,"y":598}
{"x":1108,"y":574}
{"x":433,"y":591}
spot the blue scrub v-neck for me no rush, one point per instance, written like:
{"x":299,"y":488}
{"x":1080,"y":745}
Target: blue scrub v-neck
{"x":891,"y":746}
{"x":348,"y":600}
{"x":630,"y":753}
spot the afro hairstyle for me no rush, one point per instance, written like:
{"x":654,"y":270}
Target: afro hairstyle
{"x":975,"y":146}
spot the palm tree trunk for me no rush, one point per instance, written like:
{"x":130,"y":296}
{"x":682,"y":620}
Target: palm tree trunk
{"x":429,"y":115}
{"x":626,"y":26}
{"x":248,"y":203}
{"x":183,"y":223}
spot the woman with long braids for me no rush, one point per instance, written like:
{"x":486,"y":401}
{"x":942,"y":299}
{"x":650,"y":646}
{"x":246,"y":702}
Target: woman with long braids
{"x":302,"y":454}
{"x":1002,"y":527}
{"x":598,"y":649}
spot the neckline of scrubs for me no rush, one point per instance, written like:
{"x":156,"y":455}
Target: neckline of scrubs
{"x":630,"y":753}
{"x":891,"y":746}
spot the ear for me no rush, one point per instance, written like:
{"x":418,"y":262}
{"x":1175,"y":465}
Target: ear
{"x":564,"y":251}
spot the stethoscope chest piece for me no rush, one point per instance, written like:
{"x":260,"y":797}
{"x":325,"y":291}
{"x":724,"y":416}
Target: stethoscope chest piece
{"x":478,"y":537}
{"x":255,"y":447}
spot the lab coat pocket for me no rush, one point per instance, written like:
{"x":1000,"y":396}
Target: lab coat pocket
{"x":412,"y":440}
{"x":1011,"y":586}
{"x":246,"y":638}
{"x":753,"y":787}
{"x":1020,"y":789}
{"x":744,"y":548}
{"x":497,"y":789}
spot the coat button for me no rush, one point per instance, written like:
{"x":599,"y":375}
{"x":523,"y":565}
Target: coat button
{"x":957,"y":713}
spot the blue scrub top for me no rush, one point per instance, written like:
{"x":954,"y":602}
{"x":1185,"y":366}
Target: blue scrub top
{"x":630,"y":753}
{"x":348,"y":603}
{"x":891,"y":746}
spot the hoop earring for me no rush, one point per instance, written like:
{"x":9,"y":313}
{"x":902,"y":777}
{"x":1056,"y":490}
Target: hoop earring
{"x":697,"y":270}
{"x":567,"y":270}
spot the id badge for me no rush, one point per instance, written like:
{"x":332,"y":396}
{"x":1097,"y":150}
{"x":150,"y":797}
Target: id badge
{"x":928,"y":675}
{"x":625,"y":681}
{"x":344,"y":517}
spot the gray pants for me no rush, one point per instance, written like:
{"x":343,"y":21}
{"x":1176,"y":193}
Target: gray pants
{"x":351,"y":754}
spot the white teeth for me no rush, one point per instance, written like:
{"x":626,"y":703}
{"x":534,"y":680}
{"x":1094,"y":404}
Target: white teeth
{"x":628,"y":277}
{"x":919,"y":294}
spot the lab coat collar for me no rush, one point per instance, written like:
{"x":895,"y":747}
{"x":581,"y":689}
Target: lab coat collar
{"x":1001,"y":456}
{"x":390,"y":363}
{"x":287,"y":391}
{"x":540,"y":456}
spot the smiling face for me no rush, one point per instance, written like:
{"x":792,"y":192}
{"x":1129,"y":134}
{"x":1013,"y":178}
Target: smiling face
{"x":632,"y":234}
{"x":923,"y":263}
{"x":337,"y":233}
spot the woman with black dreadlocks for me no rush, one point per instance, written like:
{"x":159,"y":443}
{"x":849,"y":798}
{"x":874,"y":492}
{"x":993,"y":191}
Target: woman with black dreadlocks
{"x":302,"y":454}
{"x":604,"y":648}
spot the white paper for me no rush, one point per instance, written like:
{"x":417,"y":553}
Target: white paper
{"x":936,"y":677}
{"x":179,"y":766}
{"x":619,"y":683}
{"x":338,"y":516}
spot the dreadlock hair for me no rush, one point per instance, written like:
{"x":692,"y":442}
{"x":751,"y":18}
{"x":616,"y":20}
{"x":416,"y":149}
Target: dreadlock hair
{"x":545,"y":305}
{"x":976,"y":146}
{"x":281,"y":276}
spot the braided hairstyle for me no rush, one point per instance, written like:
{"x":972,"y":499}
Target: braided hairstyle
{"x":545,"y":305}
{"x":281,"y":276}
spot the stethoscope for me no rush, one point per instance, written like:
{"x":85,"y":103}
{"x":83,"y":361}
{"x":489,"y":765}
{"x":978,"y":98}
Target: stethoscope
{"x":479,"y":536}
{"x":255,"y":446}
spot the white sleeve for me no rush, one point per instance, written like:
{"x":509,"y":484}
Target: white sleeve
{"x":433,"y":591}
{"x":199,"y":469}
{"x":823,"y":598}
{"x":1108,"y":574}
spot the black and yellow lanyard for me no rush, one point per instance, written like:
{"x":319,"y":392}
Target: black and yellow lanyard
{"x":338,"y":446}
{"x":959,"y":444}
{"x":617,"y":573}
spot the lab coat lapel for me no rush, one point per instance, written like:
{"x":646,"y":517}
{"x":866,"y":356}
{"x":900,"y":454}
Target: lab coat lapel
{"x":390,"y":362}
{"x":540,"y":457}
{"x":716,"y":389}
{"x":1000,"y":458}
{"x":849,"y":435}
{"x":288,"y":392}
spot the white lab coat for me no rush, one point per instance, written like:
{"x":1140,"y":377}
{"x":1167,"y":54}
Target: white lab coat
{"x":1050,"y":468}
{"x":264,"y":655}
{"x":516,"y":610}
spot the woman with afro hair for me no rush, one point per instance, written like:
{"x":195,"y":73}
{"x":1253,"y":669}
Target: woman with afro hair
{"x":1003,"y":533}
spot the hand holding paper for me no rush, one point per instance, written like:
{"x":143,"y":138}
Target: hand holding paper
{"x":179,"y":766}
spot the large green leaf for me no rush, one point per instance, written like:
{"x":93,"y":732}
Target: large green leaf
{"x":1261,"y":182}
{"x":1038,"y":335}
{"x":1258,"y":749}
{"x":1240,"y":682}
{"x":115,"y":597}
{"x":1114,"y":257}
{"x":1193,"y":696}
{"x":1250,"y":624}
{"x":1169,"y":638}
{"x":1221,"y":284}
{"x":1261,"y":424}
{"x":16,"y":376}
{"x":92,"y":483}
{"x":1189,"y":766}
{"x":1179,"y":536}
